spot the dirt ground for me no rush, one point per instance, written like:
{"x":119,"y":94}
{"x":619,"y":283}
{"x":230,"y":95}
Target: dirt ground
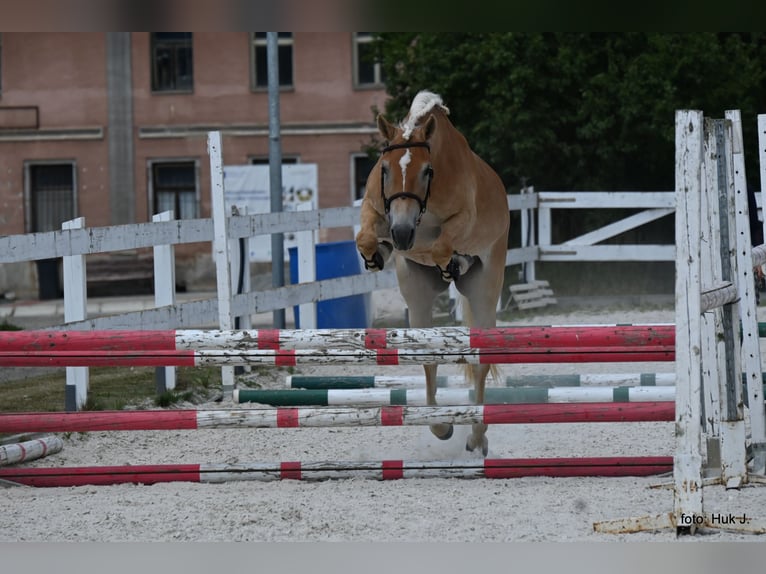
{"x":363,"y":510}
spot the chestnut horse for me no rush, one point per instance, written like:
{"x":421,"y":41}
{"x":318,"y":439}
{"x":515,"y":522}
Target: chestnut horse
{"x":442,"y":213}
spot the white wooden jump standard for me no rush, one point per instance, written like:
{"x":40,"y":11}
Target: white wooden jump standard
{"x":691,"y":192}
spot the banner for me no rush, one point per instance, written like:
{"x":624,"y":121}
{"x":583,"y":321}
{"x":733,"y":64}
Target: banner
{"x":248,"y":186}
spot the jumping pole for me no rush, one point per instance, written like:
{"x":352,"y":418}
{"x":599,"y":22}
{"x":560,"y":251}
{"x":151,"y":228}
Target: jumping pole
{"x":335,"y":417}
{"x":317,"y":471}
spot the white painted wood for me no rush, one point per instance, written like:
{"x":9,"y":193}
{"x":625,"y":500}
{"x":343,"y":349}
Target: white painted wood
{"x":520,"y":255}
{"x":544,"y":228}
{"x":306,"y":250}
{"x":758,"y":415}
{"x":606,"y":199}
{"x":221,"y":248}
{"x":710,"y":273}
{"x":26,"y":451}
{"x":528,"y":232}
{"x":335,"y":357}
{"x":762,"y":165}
{"x":687,"y":462}
{"x":732,"y":457}
{"x":606,"y":252}
{"x":47,"y":245}
{"x":76,"y":309}
{"x":165,"y":286}
{"x":527,"y":199}
{"x":751,"y":353}
{"x":620,"y":226}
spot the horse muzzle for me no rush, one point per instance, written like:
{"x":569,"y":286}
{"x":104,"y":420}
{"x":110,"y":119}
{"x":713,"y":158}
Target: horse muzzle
{"x":403,"y":236}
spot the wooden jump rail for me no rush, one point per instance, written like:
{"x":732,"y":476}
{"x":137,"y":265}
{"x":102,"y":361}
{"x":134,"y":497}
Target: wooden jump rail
{"x":324,"y":417}
{"x":417,"y":397}
{"x":316,"y":471}
{"x":511,"y":338}
{"x":290,"y":358}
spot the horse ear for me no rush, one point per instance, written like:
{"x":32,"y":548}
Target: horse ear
{"x":387,"y":130}
{"x":429,"y":127}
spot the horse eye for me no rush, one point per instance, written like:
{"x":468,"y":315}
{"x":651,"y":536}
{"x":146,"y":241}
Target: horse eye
{"x":384,"y":171}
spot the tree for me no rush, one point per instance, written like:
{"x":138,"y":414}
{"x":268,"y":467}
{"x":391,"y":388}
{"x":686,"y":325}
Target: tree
{"x":579,"y":111}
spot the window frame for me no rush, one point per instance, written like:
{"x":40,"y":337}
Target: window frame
{"x":29,"y":215}
{"x":264,"y":159}
{"x":355,"y":177}
{"x":255,"y":44}
{"x":153,"y":81}
{"x":152,"y":189}
{"x":358,"y":38}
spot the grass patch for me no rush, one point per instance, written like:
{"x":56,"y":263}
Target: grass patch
{"x":111,"y":388}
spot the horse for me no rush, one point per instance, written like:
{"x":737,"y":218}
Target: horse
{"x":441,"y":213}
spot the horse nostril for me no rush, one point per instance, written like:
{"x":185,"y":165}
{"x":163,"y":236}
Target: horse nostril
{"x":403,"y":236}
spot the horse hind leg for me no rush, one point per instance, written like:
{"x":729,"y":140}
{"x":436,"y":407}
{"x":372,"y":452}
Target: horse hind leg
{"x":481,"y":288}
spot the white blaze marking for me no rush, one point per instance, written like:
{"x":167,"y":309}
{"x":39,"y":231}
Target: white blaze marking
{"x":404,"y":162}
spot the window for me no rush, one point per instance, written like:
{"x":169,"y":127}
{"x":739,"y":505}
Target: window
{"x":259,"y":160}
{"x":51,"y":195}
{"x":361,"y":166}
{"x":174,"y":187}
{"x":260,"y":71}
{"x":171,"y":54}
{"x":368,"y":73}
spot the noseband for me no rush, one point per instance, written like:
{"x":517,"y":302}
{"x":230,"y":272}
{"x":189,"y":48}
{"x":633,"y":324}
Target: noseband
{"x":423,"y":203}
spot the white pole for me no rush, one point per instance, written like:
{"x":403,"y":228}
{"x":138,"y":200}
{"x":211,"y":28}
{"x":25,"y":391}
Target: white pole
{"x":221,"y":253}
{"x":751,"y":350}
{"x":687,"y":462}
{"x":164,"y":294}
{"x":306,"y":248}
{"x":75,"y":309}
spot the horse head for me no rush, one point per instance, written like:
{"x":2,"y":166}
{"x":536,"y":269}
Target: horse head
{"x":405,"y":178}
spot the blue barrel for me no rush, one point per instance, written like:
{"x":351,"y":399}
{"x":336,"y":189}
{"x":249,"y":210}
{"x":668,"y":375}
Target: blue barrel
{"x":334,"y":259}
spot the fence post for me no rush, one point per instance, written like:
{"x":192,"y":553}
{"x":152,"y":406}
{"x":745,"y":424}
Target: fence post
{"x":306,"y":252}
{"x":75,"y":309}
{"x":164,"y":294}
{"x":687,"y":461}
{"x":221,"y":253}
{"x":751,"y":350}
{"x":528,"y":235}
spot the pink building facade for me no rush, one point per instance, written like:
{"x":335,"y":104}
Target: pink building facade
{"x":113,"y":126}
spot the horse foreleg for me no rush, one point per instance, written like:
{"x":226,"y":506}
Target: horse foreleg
{"x":478,"y":436}
{"x":374,"y":251}
{"x":441,"y":431}
{"x":419,"y":285}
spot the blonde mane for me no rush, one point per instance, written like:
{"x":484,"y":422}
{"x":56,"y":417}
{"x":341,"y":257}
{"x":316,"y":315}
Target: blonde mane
{"x":423,"y":103}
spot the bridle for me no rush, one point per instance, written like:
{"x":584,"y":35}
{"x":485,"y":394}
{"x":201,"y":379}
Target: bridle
{"x":423,"y":203}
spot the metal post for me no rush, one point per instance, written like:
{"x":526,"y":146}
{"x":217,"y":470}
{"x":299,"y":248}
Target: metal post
{"x":275,"y":171}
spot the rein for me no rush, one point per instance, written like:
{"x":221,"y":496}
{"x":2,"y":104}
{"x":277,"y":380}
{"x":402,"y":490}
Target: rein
{"x":423,"y":203}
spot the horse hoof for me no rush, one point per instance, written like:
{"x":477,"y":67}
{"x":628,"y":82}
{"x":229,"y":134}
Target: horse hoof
{"x":374,"y":264}
{"x":470,"y":445}
{"x":446,"y":435}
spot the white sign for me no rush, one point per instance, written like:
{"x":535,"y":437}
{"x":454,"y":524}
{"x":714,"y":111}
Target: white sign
{"x":248,"y":186}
